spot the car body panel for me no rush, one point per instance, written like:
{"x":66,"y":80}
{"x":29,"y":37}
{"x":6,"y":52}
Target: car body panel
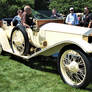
{"x":55,"y":35}
{"x":57,"y":47}
{"x":4,"y":41}
{"x":64,"y":28}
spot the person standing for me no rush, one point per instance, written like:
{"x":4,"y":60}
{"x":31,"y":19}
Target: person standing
{"x":55,"y":15}
{"x":87,"y":18}
{"x":72,"y":18}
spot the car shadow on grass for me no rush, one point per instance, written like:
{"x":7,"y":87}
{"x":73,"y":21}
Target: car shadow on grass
{"x":46,"y":64}
{"x":42,"y":63}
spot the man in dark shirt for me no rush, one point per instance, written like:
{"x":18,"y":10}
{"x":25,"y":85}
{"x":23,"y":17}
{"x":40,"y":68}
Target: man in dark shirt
{"x":55,"y":15}
{"x":87,"y":17}
{"x":27,"y":18}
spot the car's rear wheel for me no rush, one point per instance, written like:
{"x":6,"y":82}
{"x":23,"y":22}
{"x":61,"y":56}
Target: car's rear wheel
{"x":74,"y":67}
{"x":19,"y":40}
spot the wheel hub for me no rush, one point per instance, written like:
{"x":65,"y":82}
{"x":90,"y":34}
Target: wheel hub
{"x":73,"y":67}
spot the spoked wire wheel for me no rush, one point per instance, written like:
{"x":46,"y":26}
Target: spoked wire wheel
{"x":74,"y":68}
{"x":19,"y":41}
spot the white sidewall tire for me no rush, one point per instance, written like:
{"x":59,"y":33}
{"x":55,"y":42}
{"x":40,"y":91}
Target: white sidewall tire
{"x":87,"y":77}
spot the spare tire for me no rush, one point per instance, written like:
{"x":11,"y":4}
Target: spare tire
{"x":1,"y":49}
{"x":19,"y":40}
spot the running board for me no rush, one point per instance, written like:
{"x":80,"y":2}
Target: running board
{"x":41,"y":52}
{"x":45,"y":52}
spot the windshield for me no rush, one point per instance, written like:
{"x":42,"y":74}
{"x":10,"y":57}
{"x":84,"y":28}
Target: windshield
{"x":41,"y":15}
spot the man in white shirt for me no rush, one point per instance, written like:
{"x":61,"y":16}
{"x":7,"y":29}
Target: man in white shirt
{"x":72,"y":18}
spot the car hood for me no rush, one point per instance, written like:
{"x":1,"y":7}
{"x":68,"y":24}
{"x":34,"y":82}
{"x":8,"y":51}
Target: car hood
{"x":57,"y":27}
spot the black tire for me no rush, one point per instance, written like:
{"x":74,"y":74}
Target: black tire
{"x":68,"y":71}
{"x":1,"y":49}
{"x":22,"y":29}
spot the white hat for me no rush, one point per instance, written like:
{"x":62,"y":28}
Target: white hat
{"x":71,"y":8}
{"x":86,"y":8}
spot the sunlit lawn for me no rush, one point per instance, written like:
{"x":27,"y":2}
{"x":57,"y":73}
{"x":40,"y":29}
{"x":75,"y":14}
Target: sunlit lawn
{"x":32,"y":76}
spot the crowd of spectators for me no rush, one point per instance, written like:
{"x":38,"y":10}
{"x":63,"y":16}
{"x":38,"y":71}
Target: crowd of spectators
{"x":84,"y":20}
{"x":26,"y":18}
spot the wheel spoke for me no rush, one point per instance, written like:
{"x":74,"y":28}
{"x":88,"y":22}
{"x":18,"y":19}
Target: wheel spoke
{"x":78,"y":78}
{"x":70,"y":74}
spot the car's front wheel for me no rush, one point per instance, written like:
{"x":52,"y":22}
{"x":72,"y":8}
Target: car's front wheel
{"x":74,"y":67}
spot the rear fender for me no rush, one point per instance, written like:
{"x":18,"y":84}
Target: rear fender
{"x":4,"y":40}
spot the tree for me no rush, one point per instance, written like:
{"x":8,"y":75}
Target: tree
{"x":64,"y":5}
{"x":8,"y":8}
{"x":41,"y":4}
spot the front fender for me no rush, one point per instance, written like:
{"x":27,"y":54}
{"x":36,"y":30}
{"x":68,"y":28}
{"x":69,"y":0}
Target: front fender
{"x":84,"y":45}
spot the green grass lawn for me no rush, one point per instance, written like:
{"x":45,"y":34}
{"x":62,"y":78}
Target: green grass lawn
{"x":32,"y":76}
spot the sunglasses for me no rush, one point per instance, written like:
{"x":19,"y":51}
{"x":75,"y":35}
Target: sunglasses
{"x":71,"y":10}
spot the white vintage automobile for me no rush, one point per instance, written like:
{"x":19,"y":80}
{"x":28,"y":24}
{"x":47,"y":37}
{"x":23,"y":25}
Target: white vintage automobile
{"x":73,"y":43}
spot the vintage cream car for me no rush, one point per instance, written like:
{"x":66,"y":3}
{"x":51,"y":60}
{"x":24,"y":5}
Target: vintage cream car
{"x":49,"y":36}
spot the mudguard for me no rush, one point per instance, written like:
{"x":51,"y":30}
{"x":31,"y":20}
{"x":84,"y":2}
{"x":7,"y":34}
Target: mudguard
{"x":84,"y":45}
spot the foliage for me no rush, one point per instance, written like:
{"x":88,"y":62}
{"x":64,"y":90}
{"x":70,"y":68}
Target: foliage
{"x":41,"y":4}
{"x":64,"y":5}
{"x":8,"y":8}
